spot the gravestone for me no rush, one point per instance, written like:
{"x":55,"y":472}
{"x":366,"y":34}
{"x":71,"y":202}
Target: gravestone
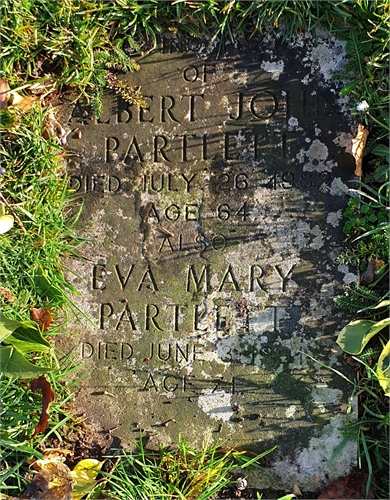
{"x":214,"y":220}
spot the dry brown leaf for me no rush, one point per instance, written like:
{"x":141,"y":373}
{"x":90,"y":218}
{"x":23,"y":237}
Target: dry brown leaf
{"x":25,"y":104}
{"x":53,"y":128}
{"x":7,"y":294}
{"x":352,"y":486}
{"x":42,"y":317}
{"x":368,"y":275}
{"x":47,"y":398}
{"x":4,"y":93}
{"x":296,"y":490}
{"x":53,"y":482}
{"x":358,"y":145}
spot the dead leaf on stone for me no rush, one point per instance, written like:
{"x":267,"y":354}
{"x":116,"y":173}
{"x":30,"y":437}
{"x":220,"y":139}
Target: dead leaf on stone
{"x":47,"y":398}
{"x":53,"y":481}
{"x":296,"y":490}
{"x":4,"y":93}
{"x":352,"y":486}
{"x":358,"y":145}
{"x":42,"y":317}
{"x":53,"y":128}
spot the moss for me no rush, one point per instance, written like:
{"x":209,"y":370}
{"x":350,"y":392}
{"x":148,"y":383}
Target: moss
{"x":289,"y":386}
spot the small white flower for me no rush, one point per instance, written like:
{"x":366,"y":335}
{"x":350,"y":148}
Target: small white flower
{"x":362,"y":106}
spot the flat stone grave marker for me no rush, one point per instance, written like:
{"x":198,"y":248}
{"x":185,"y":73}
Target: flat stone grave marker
{"x":214,"y":219}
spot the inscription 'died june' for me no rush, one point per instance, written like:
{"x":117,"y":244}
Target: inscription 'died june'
{"x":213,"y":215}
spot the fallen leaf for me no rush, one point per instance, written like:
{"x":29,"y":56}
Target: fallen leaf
{"x":84,"y":474}
{"x":358,"y":145}
{"x":4,"y":93}
{"x":296,"y":490}
{"x":25,"y":103}
{"x":47,"y":398}
{"x":42,"y":317}
{"x":7,"y":295}
{"x":53,"y":482}
{"x":53,"y":128}
{"x":352,"y":486}
{"x":368,"y":275}
{"x":6,"y":223}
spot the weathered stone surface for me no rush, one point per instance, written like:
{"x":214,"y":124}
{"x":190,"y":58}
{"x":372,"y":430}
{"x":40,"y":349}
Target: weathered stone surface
{"x":214,"y":218}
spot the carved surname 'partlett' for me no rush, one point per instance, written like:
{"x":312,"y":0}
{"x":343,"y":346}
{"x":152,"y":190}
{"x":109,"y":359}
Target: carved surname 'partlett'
{"x":187,"y":148}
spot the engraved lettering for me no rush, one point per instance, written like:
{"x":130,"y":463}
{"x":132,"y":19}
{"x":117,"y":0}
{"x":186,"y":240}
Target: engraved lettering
{"x":191,"y":106}
{"x":128,"y":153}
{"x":176,"y":312}
{"x":150,"y":384}
{"x":126,"y":347}
{"x":218,"y":242}
{"x":191,"y":212}
{"x":114,"y":184}
{"x":206,"y":72}
{"x":103,"y":314}
{"x":170,"y":387}
{"x":263,"y":105}
{"x":146,"y":109}
{"x":152,"y":185}
{"x":160,"y":355}
{"x":149,"y":211}
{"x":228,"y":145}
{"x":256,"y":272}
{"x":110,"y":350}
{"x":203,"y":278}
{"x":111,"y":144}
{"x":166,"y":240}
{"x":87,"y":350}
{"x":123,"y":279}
{"x":123,"y":109}
{"x":160,"y":149}
{"x":167,"y":107}
{"x":126,"y":317}
{"x":197,"y":317}
{"x":98,"y":276}
{"x":190,"y":74}
{"x":229,"y":274}
{"x":172,"y":212}
{"x":284,"y":277}
{"x":239,"y":107}
{"x":150,"y":317}
{"x":188,"y":181}
{"x":149,"y":279}
{"x":180,"y":354}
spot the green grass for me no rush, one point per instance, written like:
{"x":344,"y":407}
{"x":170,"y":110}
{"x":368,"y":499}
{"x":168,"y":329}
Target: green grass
{"x":19,"y":415}
{"x":36,"y":187}
{"x":81,"y":45}
{"x":180,"y":473}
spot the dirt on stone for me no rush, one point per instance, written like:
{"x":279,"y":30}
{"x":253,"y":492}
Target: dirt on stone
{"x":85,"y":441}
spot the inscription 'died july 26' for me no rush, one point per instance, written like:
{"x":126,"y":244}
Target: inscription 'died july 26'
{"x":213,"y":215}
